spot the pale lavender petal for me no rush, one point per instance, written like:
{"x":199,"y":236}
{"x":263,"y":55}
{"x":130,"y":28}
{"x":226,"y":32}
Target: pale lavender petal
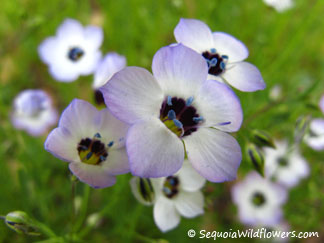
{"x":228,"y":45}
{"x":179,"y":69}
{"x":70,"y":29}
{"x":194,"y":34}
{"x":92,"y":175}
{"x":47,"y":50}
{"x":133,"y":94}
{"x":111,"y":64}
{"x":165,"y":214}
{"x":189,"y":178}
{"x":190,"y":204}
{"x":153,"y":150}
{"x":93,"y":36}
{"x":214,"y":154}
{"x":117,"y":162}
{"x":244,"y":76}
{"x":219,"y":106}
{"x":63,"y":74}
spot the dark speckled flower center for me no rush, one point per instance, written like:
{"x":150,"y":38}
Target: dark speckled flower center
{"x":92,"y":150}
{"x":258,"y":199}
{"x":180,"y":116}
{"x":216,"y":63}
{"x":282,"y":162}
{"x":75,"y":54}
{"x":171,"y":186}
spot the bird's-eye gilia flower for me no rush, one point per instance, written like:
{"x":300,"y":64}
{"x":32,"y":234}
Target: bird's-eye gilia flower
{"x":74,"y":51}
{"x":33,"y":111}
{"x":178,"y":195}
{"x":174,"y":107}
{"x":224,"y":55}
{"x":315,"y":138}
{"x":280,"y":5}
{"x":107,"y":67}
{"x":92,"y":142}
{"x":284,"y":166}
{"x":259,"y":200}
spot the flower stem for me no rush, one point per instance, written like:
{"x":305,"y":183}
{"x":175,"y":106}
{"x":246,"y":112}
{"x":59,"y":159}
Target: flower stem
{"x":84,"y":208}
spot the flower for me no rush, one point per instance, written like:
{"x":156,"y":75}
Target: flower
{"x":73,"y":51}
{"x":285,"y":166}
{"x":92,"y":142}
{"x":279,"y":5}
{"x":178,"y":195}
{"x":258,"y":200}
{"x":223,"y":53}
{"x":315,"y":139}
{"x":174,"y":107}
{"x":108,"y":66}
{"x":33,"y":111}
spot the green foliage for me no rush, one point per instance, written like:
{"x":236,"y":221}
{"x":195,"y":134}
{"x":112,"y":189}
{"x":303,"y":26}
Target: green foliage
{"x":286,"y":47}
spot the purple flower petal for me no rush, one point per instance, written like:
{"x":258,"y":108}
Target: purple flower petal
{"x":165,"y":214}
{"x":179,"y":69}
{"x":153,"y":150}
{"x":133,"y":94}
{"x":214,"y":154}
{"x":244,"y":76}
{"x":194,"y":34}
{"x":93,"y":175}
{"x":219,"y":106}
{"x":228,"y":45}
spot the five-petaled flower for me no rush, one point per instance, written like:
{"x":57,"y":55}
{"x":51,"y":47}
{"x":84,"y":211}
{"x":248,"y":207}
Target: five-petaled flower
{"x":92,"y":142}
{"x":284,"y":165}
{"x":33,"y":111}
{"x":259,"y":200}
{"x":174,"y":114}
{"x":223,"y":54}
{"x":73,"y":51}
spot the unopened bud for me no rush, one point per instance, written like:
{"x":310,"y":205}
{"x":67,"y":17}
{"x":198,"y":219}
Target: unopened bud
{"x":21,"y":223}
{"x":93,"y":219}
{"x":255,"y":156}
{"x":143,"y":190}
{"x":302,"y":124}
{"x":262,"y":139}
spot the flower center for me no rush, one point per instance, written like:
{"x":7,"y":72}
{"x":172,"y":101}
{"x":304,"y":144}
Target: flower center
{"x":93,"y":151}
{"x":258,"y":199}
{"x":180,"y":116}
{"x":98,"y":96}
{"x":170,"y":186}
{"x":282,"y":162}
{"x":34,"y":106}
{"x":216,"y":63}
{"x":75,"y":54}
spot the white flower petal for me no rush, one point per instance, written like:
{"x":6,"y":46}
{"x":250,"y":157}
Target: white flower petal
{"x":70,"y":29}
{"x":244,"y":76}
{"x":219,"y":106}
{"x":179,"y":70}
{"x":190,"y":180}
{"x":63,"y":74}
{"x":93,"y":175}
{"x":190,"y":204}
{"x":111,"y":64}
{"x":133,"y":94}
{"x":93,"y":36}
{"x":165,"y":214}
{"x":48,"y":50}
{"x":194,"y":34}
{"x":153,"y":150}
{"x":214,"y":154}
{"x":116,"y":162}
{"x":228,"y":45}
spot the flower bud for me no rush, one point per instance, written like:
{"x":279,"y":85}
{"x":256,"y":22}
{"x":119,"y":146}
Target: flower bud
{"x":262,"y":139}
{"x":255,"y":156}
{"x":302,"y":124}
{"x":143,"y":190}
{"x":20,"y":222}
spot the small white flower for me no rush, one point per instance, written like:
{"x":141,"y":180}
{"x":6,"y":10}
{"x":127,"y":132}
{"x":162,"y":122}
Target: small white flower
{"x":275,"y":92}
{"x":259,"y":200}
{"x":286,"y":167}
{"x":279,"y":5}
{"x":178,"y":195}
{"x":73,"y":51}
{"x":33,"y":111}
{"x":315,"y":139}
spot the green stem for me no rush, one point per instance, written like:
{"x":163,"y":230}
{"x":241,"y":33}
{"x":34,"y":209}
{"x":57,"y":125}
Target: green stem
{"x":84,"y":208}
{"x":44,"y":229}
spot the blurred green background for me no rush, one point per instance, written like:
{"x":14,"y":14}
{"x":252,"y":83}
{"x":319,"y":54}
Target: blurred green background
{"x":287,"y":47}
